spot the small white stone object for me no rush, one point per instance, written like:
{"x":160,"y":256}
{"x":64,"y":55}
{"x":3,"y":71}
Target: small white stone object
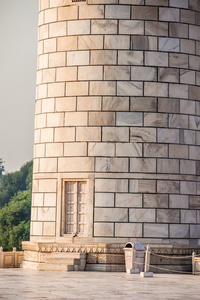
{"x":132,"y":271}
{"x":146,"y":274}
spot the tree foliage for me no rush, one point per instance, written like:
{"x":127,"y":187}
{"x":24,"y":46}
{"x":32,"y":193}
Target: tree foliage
{"x":15,"y":201}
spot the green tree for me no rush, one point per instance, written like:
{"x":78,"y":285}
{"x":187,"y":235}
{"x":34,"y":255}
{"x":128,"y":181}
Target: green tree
{"x":13,"y":182}
{"x":15,"y":221}
{"x":1,"y":168}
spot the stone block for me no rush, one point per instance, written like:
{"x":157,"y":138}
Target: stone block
{"x":179,"y":231}
{"x":88,"y":134}
{"x":115,"y":103}
{"x":67,"y":13}
{"x":46,"y":135}
{"x":57,"y":29}
{"x":55,"y":119}
{"x":195,"y":202}
{"x":49,"y":75}
{"x":56,"y":89}
{"x":75,"y":149}
{"x":156,"y":89}
{"x":156,"y":230}
{"x":168,"y":166}
{"x":156,"y":201}
{"x":87,"y":42}
{"x":143,"y":104}
{"x":178,"y":151}
{"x":187,"y":137}
{"x":177,"y":60}
{"x":90,"y":73}
{"x":187,"y":167}
{"x":168,"y":105}
{"x":144,"y":73}
{"x":37,"y":228}
{"x":65,"y":104}
{"x":34,"y":214}
{"x":77,"y":58}
{"x":187,"y":76}
{"x":187,"y":16}
{"x":129,"y":88}
{"x":146,"y":165}
{"x":98,"y":88}
{"x":49,"y":228}
{"x":43,"y":61}
{"x":142,"y":135}
{"x":111,"y":214}
{"x":47,"y":186}
{"x":178,"y":121}
{"x":86,"y":11}
{"x":117,"y":42}
{"x":168,"y":186}
{"x":168,"y":135}
{"x":178,"y":30}
{"x":49,"y":46}
{"x":104,"y":229}
{"x":48,"y":165}
{"x":157,"y":2}
{"x":88,"y":103}
{"x":103,"y":57}
{"x":77,"y":88}
{"x":117,"y":73}
{"x":194,"y":231}
{"x":156,"y":59}
{"x":104,"y":26}
{"x":194,"y":92}
{"x":79,"y":27}
{"x":167,"y":215}
{"x":39,"y":150}
{"x":169,"y":14}
{"x":43,"y":32}
{"x":155,"y":119}
{"x":155,"y":150}
{"x":101,"y":149}
{"x":188,"y":187}
{"x":66,"y":74}
{"x":187,"y":46}
{"x":194,"y":32}
{"x":65,"y":134}
{"x":131,"y":27}
{"x":194,"y":64}
{"x":130,"y":58}
{"x":104,"y":199}
{"x":76,"y":164}
{"x":144,"y":13}
{"x":142,"y":186}
{"x":141,"y":215}
{"x":67,"y":43}
{"x":128,"y":230}
{"x":46,"y":213}
{"x":54,"y":149}
{"x":111,"y":185}
{"x":101,"y":119}
{"x":129,"y":119}
{"x":114,"y":134}
{"x":76,"y":118}
{"x":50,"y":15}
{"x":144,"y":43}
{"x":128,"y":200}
{"x":169,"y":45}
{"x":110,"y":164}
{"x":40,"y":121}
{"x":50,"y":199}
{"x":117,"y":12}
{"x":129,"y":149}
{"x":178,"y":201}
{"x":156,"y":28}
{"x":194,"y":152}
{"x":188,"y":216}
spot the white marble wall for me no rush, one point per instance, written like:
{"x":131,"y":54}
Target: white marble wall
{"x":118,"y":101}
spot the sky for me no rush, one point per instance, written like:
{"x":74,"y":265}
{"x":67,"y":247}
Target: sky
{"x":18,"y":56}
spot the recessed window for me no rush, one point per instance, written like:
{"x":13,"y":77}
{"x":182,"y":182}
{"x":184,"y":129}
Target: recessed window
{"x":75,"y":207}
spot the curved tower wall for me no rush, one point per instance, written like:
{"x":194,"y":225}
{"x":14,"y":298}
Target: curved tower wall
{"x":117,"y":112}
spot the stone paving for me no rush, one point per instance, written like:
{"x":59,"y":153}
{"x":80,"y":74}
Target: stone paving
{"x":21,"y":284}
